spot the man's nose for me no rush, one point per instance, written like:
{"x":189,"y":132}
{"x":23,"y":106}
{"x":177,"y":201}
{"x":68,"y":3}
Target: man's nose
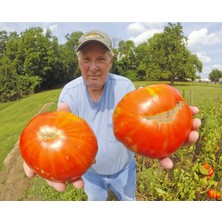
{"x":93,"y":66}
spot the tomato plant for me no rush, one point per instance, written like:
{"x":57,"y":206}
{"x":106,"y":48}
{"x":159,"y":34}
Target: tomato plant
{"x":153,"y":121}
{"x":58,"y":146}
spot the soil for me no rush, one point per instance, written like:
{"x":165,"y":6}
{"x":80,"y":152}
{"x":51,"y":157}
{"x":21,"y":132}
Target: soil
{"x":13,"y":181}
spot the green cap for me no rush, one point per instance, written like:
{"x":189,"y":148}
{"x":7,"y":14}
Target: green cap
{"x":95,"y":35}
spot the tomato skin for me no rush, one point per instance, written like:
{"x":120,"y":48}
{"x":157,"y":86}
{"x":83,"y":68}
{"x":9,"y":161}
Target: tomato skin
{"x":153,"y":121}
{"x":58,"y":146}
{"x":213,"y":194}
{"x":208,"y":170}
{"x":218,"y":195}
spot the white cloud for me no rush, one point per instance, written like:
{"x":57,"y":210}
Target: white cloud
{"x":140,"y":32}
{"x":203,"y":57}
{"x":135,"y":28}
{"x":144,"y":36}
{"x":53,"y":27}
{"x":217,"y":66}
{"x":203,"y":37}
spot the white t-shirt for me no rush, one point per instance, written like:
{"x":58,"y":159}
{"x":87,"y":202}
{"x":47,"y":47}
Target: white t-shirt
{"x":112,"y":156}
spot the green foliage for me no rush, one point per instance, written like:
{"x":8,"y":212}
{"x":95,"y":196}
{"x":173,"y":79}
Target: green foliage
{"x":215,"y":75}
{"x":34,"y":59}
{"x":168,"y":56}
{"x":162,"y":57}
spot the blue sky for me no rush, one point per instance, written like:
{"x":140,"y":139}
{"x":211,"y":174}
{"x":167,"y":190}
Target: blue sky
{"x":204,"y":38}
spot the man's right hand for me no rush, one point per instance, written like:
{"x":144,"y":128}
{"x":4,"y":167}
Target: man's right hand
{"x":59,"y":186}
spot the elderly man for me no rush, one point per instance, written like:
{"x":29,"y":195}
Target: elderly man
{"x":93,"y":97}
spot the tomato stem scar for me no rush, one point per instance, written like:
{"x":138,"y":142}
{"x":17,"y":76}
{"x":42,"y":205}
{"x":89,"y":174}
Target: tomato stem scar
{"x":48,"y":133}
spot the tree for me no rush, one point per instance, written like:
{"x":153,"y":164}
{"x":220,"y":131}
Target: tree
{"x":3,"y":40}
{"x":125,"y":59}
{"x":68,"y":57}
{"x":7,"y":80}
{"x":168,"y":56}
{"x":142,"y":60}
{"x":215,"y":75}
{"x":27,"y":61}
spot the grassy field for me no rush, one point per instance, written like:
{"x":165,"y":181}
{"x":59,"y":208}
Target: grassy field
{"x":15,"y":115}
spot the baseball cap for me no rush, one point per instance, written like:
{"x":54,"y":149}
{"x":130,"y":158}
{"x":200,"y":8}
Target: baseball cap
{"x":95,"y":35}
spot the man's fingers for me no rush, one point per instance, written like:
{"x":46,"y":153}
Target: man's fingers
{"x":196,"y":124}
{"x":192,"y":138}
{"x":60,"y":187}
{"x":194,"y":110}
{"x":78,"y":183}
{"x":29,"y":172}
{"x":166,"y":163}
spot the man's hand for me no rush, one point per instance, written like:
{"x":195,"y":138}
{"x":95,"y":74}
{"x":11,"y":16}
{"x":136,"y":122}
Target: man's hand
{"x":60,"y":187}
{"x":166,"y":162}
{"x":77,"y":183}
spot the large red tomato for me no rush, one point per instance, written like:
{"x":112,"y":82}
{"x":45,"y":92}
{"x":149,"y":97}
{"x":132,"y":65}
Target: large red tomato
{"x":58,"y":146}
{"x":153,"y":121}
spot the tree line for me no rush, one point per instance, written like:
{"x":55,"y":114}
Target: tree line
{"x":34,"y":60}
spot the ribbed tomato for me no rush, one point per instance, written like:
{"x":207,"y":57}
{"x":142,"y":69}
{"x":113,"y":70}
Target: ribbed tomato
{"x":58,"y":146}
{"x":153,"y":121}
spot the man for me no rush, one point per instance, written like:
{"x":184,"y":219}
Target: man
{"x":93,"y":97}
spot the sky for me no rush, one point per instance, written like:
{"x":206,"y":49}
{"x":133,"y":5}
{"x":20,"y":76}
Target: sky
{"x":132,"y":20}
{"x":204,"y":38}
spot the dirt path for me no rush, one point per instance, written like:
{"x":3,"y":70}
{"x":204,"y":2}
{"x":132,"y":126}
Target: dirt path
{"x":13,"y":182}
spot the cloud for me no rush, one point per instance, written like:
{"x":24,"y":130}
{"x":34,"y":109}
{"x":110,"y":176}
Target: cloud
{"x":203,"y":37}
{"x":52,"y":28}
{"x":217,"y":66}
{"x":140,"y":32}
{"x":144,"y":36}
{"x":203,"y":57}
{"x":136,"y":28}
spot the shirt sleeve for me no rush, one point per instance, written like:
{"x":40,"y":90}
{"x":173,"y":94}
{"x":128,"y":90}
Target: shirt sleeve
{"x":131,"y":87}
{"x":65,"y":98}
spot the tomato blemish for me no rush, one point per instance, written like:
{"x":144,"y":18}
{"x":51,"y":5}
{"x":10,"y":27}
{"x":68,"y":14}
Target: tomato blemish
{"x":167,"y":116}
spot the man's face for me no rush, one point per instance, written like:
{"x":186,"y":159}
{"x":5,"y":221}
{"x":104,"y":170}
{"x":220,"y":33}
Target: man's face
{"x":95,"y":63}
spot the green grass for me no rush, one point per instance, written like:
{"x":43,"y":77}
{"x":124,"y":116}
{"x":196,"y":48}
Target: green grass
{"x":194,"y":93}
{"x":15,"y":115}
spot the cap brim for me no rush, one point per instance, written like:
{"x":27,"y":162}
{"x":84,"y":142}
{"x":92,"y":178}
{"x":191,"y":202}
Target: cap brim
{"x":87,"y":41}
